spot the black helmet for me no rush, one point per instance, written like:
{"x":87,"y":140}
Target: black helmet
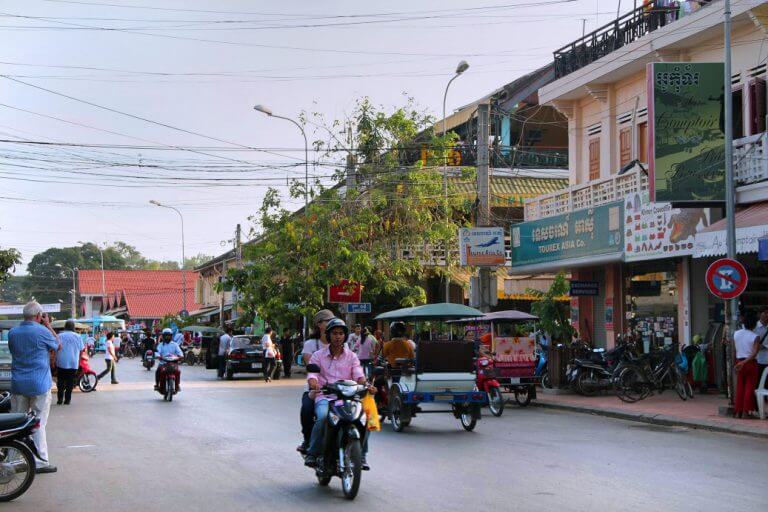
{"x":397,"y":329}
{"x":336,"y":322}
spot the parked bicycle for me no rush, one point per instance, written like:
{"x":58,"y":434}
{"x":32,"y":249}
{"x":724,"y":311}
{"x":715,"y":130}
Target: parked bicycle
{"x":649,"y":373}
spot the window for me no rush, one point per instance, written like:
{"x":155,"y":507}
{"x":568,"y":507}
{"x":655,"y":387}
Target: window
{"x":757,"y":106}
{"x":738,"y":113}
{"x":625,"y":146}
{"x":642,"y":143}
{"x":594,"y":159}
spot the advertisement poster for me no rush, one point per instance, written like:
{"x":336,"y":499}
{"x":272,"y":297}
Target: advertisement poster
{"x":587,"y":232}
{"x":686,"y":131}
{"x":656,"y":230}
{"x":481,"y":247}
{"x":515,"y":349}
{"x":575,"y":313}
{"x":608,"y":314}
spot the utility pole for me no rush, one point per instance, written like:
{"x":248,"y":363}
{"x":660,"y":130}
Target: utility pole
{"x":483,"y":218}
{"x":351,"y":183}
{"x":730,"y":192}
{"x":238,"y":264}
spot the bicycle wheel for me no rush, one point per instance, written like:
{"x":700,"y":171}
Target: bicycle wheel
{"x":679,"y":383}
{"x":630,"y":385}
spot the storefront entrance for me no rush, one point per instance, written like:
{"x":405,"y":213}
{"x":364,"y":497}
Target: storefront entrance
{"x":651,"y":302}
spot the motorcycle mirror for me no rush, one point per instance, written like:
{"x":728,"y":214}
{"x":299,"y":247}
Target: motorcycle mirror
{"x":313,"y":368}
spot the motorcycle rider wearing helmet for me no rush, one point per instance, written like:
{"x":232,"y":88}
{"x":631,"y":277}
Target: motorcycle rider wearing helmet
{"x":336,"y":362}
{"x":167,"y":347}
{"x":398,"y":347}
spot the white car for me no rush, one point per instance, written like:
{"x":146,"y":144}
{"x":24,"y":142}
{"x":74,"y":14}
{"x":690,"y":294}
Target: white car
{"x":5,"y":367}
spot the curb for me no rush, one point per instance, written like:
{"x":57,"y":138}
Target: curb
{"x":658,"y":419}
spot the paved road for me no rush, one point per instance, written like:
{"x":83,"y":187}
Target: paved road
{"x":229,"y":446}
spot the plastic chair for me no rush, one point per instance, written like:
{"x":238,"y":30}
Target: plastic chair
{"x":761,"y":394}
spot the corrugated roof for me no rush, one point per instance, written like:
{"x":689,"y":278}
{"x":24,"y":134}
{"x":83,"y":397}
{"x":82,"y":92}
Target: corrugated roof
{"x":511,"y":190}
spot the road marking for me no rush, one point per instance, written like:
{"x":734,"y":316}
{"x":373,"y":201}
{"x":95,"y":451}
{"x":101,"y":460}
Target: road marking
{"x":82,"y":446}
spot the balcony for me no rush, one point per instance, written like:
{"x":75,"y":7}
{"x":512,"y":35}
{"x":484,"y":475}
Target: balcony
{"x":624,"y":30}
{"x":517,"y":157}
{"x":750,"y":159}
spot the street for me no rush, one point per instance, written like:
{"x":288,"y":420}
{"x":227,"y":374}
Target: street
{"x":230,"y":446}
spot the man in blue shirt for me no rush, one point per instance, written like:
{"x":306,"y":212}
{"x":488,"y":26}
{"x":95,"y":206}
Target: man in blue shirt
{"x":30,"y":344}
{"x":167,"y":347}
{"x":67,"y":362}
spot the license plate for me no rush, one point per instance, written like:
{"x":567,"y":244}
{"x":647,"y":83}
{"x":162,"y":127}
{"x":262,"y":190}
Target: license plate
{"x":448,"y":398}
{"x":254,"y":366}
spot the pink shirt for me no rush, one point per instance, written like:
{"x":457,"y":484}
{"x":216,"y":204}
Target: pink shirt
{"x":365,"y":348}
{"x":345,"y":367}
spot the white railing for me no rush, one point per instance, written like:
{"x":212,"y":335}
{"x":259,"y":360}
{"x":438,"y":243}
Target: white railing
{"x":428,"y":255}
{"x":750,"y":159}
{"x":586,"y":195}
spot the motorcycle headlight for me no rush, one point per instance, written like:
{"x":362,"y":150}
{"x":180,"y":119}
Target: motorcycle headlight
{"x":348,"y":391}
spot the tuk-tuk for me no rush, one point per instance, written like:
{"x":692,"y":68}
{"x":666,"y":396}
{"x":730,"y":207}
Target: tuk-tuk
{"x":509,"y":337}
{"x":443,"y":371}
{"x":209,"y":344}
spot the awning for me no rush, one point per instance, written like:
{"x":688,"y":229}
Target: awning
{"x":751,"y":225}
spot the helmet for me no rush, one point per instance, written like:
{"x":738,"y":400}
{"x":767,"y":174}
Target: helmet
{"x":397,"y":329}
{"x":337,"y":322}
{"x":168,"y":330}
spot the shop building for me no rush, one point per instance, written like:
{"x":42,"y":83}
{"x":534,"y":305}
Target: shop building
{"x":648,"y":259}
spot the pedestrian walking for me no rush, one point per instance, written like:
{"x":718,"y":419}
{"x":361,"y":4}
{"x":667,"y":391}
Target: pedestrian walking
{"x":746,"y":344}
{"x":110,"y":358}
{"x":225,"y":343}
{"x":67,"y":361}
{"x":118,"y":344}
{"x":268,"y":346}
{"x":287,"y":351}
{"x":355,"y":337}
{"x":31,"y":344}
{"x":366,"y":350}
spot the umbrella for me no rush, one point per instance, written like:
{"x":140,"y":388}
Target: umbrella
{"x":441,"y":311}
{"x":202,"y":328}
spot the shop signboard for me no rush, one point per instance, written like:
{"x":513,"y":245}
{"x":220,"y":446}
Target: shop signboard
{"x":18,"y":309}
{"x":345,"y":292}
{"x":687,"y":144}
{"x":581,"y":233}
{"x":482,"y":247}
{"x":656,"y":230}
{"x":584,"y":289}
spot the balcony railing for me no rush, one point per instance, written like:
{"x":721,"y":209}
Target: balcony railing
{"x":750,"y":158}
{"x":505,"y":156}
{"x":624,"y":30}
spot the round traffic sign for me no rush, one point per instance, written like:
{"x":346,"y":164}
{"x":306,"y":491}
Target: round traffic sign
{"x":726,"y":278}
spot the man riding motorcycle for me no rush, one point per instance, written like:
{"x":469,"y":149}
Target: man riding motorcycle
{"x":167,"y":347}
{"x":336,"y":362}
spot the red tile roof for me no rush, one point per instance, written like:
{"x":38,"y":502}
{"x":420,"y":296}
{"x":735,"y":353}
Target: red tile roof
{"x":148,"y":293}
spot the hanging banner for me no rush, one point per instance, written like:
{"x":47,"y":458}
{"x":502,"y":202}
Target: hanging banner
{"x":608,"y":313}
{"x":18,"y":309}
{"x":580,"y":233}
{"x":481,"y":246}
{"x":685,"y":121}
{"x":656,"y":230}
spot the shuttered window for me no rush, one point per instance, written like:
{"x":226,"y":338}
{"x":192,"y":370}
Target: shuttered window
{"x":625,"y":146}
{"x":642,"y":143}
{"x":594,"y":159}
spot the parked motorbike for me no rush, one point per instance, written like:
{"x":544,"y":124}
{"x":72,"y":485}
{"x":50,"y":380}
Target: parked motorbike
{"x":170,"y":375}
{"x":346,"y":428}
{"x":149,"y":359}
{"x":590,"y":375}
{"x":542,"y":369}
{"x":5,"y":402}
{"x":17,"y":454}
{"x":486,"y":381}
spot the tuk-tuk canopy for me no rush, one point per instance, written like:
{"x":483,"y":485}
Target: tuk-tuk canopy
{"x":59,"y":324}
{"x":501,"y":316}
{"x":205,"y":329}
{"x":441,"y":311}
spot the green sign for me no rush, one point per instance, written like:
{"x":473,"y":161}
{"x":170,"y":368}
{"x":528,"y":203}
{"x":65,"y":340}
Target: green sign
{"x":573,"y":235}
{"x":686,"y":131}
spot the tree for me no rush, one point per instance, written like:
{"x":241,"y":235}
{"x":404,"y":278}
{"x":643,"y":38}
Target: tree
{"x":357,"y":234}
{"x":9,"y":258}
{"x":554,"y":313}
{"x":195,"y":261}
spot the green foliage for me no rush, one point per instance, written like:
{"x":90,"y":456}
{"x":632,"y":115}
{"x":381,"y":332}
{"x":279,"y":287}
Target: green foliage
{"x":554,"y":314}
{"x":356,"y":234}
{"x":9,"y":258}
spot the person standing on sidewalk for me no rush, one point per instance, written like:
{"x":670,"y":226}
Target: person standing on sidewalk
{"x":746,"y":344}
{"x":110,"y":358}
{"x":225,"y":343}
{"x":286,"y":349}
{"x":762,"y":355}
{"x":268,"y":346}
{"x":31,"y":344}
{"x":67,"y":361}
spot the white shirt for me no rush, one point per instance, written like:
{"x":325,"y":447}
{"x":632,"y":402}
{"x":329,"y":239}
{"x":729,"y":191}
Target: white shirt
{"x":107,"y":346}
{"x":762,"y":355}
{"x":353,"y":342}
{"x":311,"y":346}
{"x":744,"y":342}
{"x":224,"y":342}
{"x":268,"y":346}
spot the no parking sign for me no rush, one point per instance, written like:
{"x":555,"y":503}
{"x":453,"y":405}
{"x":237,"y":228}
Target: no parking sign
{"x":726,"y":278}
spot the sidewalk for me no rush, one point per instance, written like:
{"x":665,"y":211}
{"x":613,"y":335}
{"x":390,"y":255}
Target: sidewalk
{"x":665,"y":409}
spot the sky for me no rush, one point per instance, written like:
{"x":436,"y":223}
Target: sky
{"x":108,"y":104}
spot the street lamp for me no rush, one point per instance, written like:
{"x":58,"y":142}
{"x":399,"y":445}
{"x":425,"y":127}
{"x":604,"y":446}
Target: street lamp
{"x":183,"y":254}
{"x":74,"y":286}
{"x":268,"y":111}
{"x":461,"y":68}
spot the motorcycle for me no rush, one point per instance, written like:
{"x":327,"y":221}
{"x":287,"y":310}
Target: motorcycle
{"x":86,"y":378}
{"x":345,"y":433}
{"x":149,"y":359}
{"x":5,"y":401}
{"x":594,"y":373}
{"x":17,"y":454}
{"x":542,"y":370}
{"x":486,"y":381}
{"x":169,"y":378}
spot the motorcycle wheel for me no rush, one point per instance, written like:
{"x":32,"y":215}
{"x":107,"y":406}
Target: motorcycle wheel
{"x":545,"y":382}
{"x":582,"y":387}
{"x":350,"y":480}
{"x":496,"y":401}
{"x":87,"y":382}
{"x":323,"y":480}
{"x":17,"y":469}
{"x":170,"y":387}
{"x":189,"y":358}
{"x":278,"y":371}
{"x":629,"y":385}
{"x":522,"y":397}
{"x":468,"y":421}
{"x":396,"y":413}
